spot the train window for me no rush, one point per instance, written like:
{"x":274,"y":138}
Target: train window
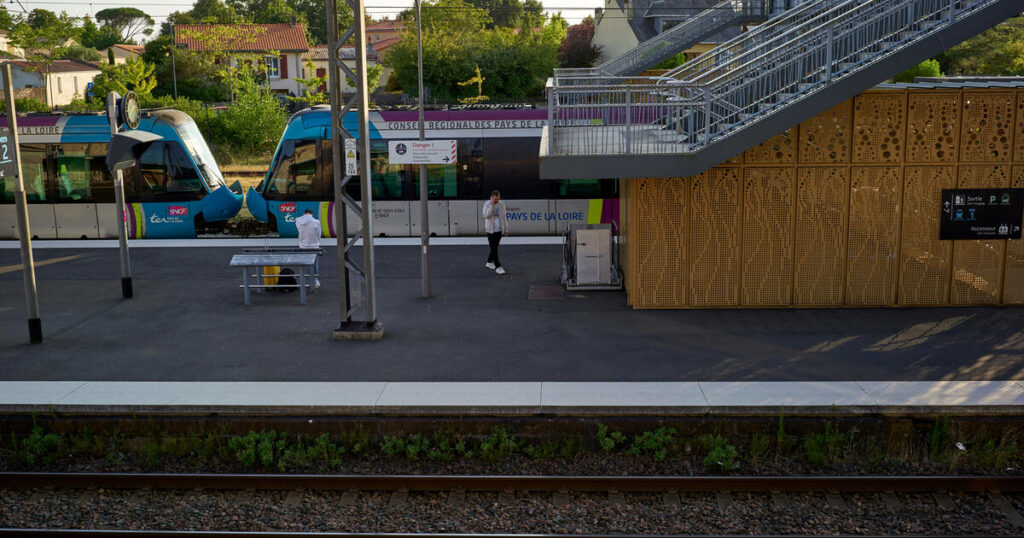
{"x":442,"y":181}
{"x":33,"y":169}
{"x":81,"y":173}
{"x":295,"y":171}
{"x":580,"y":188}
{"x":388,"y":178}
{"x":470,"y":167}
{"x":164,"y":172}
{"x":512,"y":166}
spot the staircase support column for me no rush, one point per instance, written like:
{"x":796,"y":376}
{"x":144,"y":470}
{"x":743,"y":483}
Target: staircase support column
{"x":629,"y":124}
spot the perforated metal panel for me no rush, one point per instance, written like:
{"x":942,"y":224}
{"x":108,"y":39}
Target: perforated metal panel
{"x":879,"y":127}
{"x":661,"y":234}
{"x":1018,"y":132}
{"x":874,"y":228}
{"x":767,"y":237}
{"x":978,"y":265}
{"x":987,"y":127}
{"x":778,"y":149}
{"x":1013,"y":277}
{"x":714,"y":243}
{"x":821,"y":230}
{"x":924,"y":259}
{"x":933,"y":127}
{"x":825,"y":138}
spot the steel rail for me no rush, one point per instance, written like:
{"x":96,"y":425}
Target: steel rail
{"x":291,"y":534}
{"x":871,"y":483}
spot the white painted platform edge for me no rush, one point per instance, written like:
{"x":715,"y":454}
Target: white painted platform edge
{"x":251,"y":242}
{"x":512,"y":398}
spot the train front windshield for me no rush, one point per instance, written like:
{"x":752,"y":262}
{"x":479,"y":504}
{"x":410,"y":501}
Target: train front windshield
{"x":195,"y":144}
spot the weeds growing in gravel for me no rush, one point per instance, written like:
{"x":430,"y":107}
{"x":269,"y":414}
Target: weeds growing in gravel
{"x":607,"y":440}
{"x":499,"y":445}
{"x":822,"y":448}
{"x":938,"y":437}
{"x":720,"y":454}
{"x":655,"y":442}
{"x":40,"y":446}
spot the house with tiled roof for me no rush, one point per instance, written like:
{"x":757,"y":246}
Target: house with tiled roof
{"x":384,"y":30}
{"x":122,"y":52}
{"x":281,"y":46}
{"x":318,"y":55}
{"x":66,"y":80}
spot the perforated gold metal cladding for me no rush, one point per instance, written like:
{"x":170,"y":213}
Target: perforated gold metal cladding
{"x":874,"y":233}
{"x":825,"y":138}
{"x":1018,"y":132}
{"x":788,"y":224}
{"x":925,"y":261}
{"x":715,"y":237}
{"x":933,"y":127}
{"x":987,"y":127}
{"x":821,"y":215}
{"x":879,"y":127}
{"x":978,"y":265}
{"x":662,"y":270}
{"x":778,"y":149}
{"x":767,"y":237}
{"x":1013,"y":274}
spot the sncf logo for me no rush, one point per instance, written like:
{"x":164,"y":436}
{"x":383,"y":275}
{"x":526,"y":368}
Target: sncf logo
{"x":177,"y":210}
{"x":287,"y":208}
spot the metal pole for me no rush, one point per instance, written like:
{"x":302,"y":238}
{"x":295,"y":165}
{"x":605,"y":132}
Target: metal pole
{"x":35,"y":326}
{"x":122,"y":222}
{"x":174,"y":70}
{"x":365,"y":176}
{"x":340,"y":209}
{"x":122,"y":236}
{"x":424,"y":209}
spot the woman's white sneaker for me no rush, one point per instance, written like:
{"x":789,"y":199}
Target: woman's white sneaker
{"x":500,"y":270}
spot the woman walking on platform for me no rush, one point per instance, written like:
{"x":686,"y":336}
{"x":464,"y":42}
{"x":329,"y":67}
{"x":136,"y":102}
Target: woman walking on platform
{"x":496,"y":225}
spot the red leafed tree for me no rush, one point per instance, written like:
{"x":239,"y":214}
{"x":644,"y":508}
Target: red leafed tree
{"x":577,"y":49}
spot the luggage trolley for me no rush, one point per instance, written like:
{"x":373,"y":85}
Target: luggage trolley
{"x":590,"y":258}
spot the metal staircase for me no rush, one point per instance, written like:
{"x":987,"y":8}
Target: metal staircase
{"x":677,"y":39}
{"x":749,"y":88}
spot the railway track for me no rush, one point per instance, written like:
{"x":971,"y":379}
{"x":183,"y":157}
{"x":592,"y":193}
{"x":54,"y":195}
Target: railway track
{"x":470,"y":506}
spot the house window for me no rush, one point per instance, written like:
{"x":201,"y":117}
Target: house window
{"x":75,"y":81}
{"x":273,"y":64}
{"x":59,"y":90}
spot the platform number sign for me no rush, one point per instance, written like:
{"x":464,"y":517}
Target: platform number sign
{"x":8,"y":168}
{"x":981,"y":213}
{"x":351,"y":162}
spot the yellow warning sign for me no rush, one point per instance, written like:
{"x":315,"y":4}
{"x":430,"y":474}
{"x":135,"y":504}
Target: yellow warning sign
{"x":351,"y":154}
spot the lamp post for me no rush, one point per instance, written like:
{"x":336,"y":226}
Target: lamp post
{"x":424,"y":206}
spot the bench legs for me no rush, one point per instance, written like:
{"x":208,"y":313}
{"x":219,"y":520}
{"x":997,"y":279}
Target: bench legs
{"x":245,"y":284}
{"x":302,"y":285}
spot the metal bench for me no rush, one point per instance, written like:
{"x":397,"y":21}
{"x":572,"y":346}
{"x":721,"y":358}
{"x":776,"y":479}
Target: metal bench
{"x":303,"y":262}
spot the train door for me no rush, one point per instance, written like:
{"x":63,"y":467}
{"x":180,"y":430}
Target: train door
{"x":163,"y":192}
{"x":83,"y":186}
{"x":38,"y":192}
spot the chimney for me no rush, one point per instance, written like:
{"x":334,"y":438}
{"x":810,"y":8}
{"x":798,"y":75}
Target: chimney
{"x":292,"y":21}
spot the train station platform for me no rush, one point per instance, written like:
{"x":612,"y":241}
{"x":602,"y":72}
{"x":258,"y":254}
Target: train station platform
{"x":484,"y":343}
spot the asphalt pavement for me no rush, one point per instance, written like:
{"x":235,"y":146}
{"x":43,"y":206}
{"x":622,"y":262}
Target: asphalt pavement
{"x":188,"y":323}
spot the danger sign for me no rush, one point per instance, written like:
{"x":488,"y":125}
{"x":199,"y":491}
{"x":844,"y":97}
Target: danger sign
{"x":422,"y":151}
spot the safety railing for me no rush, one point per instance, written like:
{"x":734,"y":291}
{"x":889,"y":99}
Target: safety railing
{"x":680,"y":37}
{"x":639,"y":115}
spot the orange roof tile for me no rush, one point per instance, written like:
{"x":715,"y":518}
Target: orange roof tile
{"x":281,"y":37}
{"x":384,"y":44}
{"x":386,"y":25}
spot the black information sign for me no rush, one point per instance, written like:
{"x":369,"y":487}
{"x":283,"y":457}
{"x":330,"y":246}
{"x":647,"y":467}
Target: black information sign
{"x":8,"y":168}
{"x":981,"y":213}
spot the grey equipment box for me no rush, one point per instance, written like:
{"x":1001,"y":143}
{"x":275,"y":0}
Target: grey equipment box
{"x":590,"y":258}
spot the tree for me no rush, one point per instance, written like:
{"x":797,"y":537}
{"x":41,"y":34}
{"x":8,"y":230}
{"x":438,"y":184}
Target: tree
{"x":41,"y":18}
{"x":133,"y":75}
{"x":998,"y":51}
{"x":97,"y":37}
{"x":42,"y":44}
{"x":218,"y":46}
{"x":512,"y":13}
{"x":312,"y":94}
{"x":6,"y":22}
{"x":927,"y":68}
{"x":515,"y":63}
{"x":478,"y":80}
{"x":127,"y":21}
{"x":255,"y":119}
{"x":373,"y":73}
{"x":578,"y":49}
{"x":79,"y":52}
